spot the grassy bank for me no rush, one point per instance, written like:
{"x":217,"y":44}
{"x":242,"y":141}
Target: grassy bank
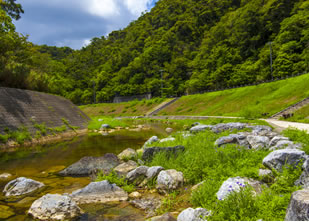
{"x":203,"y":161}
{"x":132,"y":108}
{"x":250,"y":102}
{"x":301,"y":115}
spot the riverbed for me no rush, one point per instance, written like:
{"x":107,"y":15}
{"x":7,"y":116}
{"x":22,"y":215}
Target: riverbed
{"x":42,"y":163}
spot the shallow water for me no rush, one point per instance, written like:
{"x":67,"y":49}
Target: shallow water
{"x":42,"y":163}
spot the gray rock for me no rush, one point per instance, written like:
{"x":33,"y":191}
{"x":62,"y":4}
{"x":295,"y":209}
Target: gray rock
{"x":138,"y":175}
{"x":298,"y":209}
{"x":259,"y":128}
{"x":86,"y":165}
{"x":282,"y":144}
{"x":191,"y":214}
{"x":149,"y":153}
{"x":200,"y":128}
{"x":167,"y":139}
{"x":147,"y":204}
{"x":228,"y":126}
{"x":234,"y":184}
{"x":54,"y":207}
{"x":277,"y":159}
{"x":164,"y":217}
{"x":99,"y":192}
{"x":152,"y":172}
{"x":21,"y":186}
{"x":169,"y":130}
{"x":105,"y":126}
{"x":195,"y":124}
{"x":258,"y":142}
{"x":169,"y":180}
{"x":276,"y":139}
{"x":5,"y":176}
{"x":232,"y":138}
{"x":150,"y":141}
{"x":127,"y":154}
{"x":124,"y":168}
{"x":263,"y":173}
{"x":304,"y":177}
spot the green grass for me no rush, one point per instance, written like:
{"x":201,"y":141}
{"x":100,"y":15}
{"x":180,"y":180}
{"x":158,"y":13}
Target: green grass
{"x":95,"y":124}
{"x":202,"y":161}
{"x":301,"y":115}
{"x":298,"y":136}
{"x":132,"y":108}
{"x":119,"y":181}
{"x":249,"y":102}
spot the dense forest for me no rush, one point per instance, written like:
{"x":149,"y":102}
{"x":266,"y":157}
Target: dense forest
{"x":190,"y":46}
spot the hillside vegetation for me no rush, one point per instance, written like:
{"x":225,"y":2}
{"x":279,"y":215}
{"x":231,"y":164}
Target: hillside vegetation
{"x":133,"y":108}
{"x":195,"y":45}
{"x":250,"y":102}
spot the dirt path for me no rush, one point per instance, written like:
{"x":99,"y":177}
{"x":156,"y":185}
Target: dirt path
{"x":285,"y":124}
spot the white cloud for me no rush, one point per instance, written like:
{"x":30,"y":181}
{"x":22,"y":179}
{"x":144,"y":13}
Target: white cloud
{"x":102,"y":8}
{"x":86,"y":42}
{"x":136,"y":7}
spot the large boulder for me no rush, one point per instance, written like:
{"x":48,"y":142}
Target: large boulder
{"x":191,"y":214}
{"x":149,"y":153}
{"x":87,"y":165}
{"x":138,"y":175}
{"x":298,"y":209}
{"x":169,"y":180}
{"x":285,"y":144}
{"x":277,"y":159}
{"x":258,"y":129}
{"x":258,"y":142}
{"x":232,"y":138}
{"x":276,"y":139}
{"x":153,"y":172}
{"x":124,"y":168}
{"x":99,"y":192}
{"x":150,"y":141}
{"x":304,"y":177}
{"x":127,"y":154}
{"x":147,"y":204}
{"x":55,"y":207}
{"x":200,"y":128}
{"x":21,"y":186}
{"x":228,"y":126}
{"x":234,"y":184}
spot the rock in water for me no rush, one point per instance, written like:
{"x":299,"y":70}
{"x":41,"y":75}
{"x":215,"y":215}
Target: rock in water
{"x":298,"y":209}
{"x":99,"y":192}
{"x":86,"y":165}
{"x":105,"y":126}
{"x":127,"y":154}
{"x":54,"y":207}
{"x":21,"y":186}
{"x":169,"y":180}
{"x":277,"y":159}
{"x":5,"y":176}
{"x":150,"y":141}
{"x":124,"y":168}
{"x":164,"y":217}
{"x":191,"y":214}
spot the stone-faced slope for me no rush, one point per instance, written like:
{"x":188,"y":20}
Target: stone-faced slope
{"x":18,"y":107}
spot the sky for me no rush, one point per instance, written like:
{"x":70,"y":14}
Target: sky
{"x":74,"y":23}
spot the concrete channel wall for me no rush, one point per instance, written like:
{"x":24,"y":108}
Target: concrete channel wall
{"x":20,"y":107}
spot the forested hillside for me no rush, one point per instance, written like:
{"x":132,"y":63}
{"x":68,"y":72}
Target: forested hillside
{"x":195,"y":45}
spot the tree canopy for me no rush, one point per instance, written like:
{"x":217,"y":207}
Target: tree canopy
{"x":195,"y":45}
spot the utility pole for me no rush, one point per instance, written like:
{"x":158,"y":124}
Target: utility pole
{"x":271,"y":61}
{"x":94,"y":99}
{"x":162,"y":70}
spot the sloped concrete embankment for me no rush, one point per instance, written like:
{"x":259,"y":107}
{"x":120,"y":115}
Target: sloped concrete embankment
{"x":23,"y":108}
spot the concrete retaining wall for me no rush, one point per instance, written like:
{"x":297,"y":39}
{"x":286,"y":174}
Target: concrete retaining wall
{"x":18,"y":107}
